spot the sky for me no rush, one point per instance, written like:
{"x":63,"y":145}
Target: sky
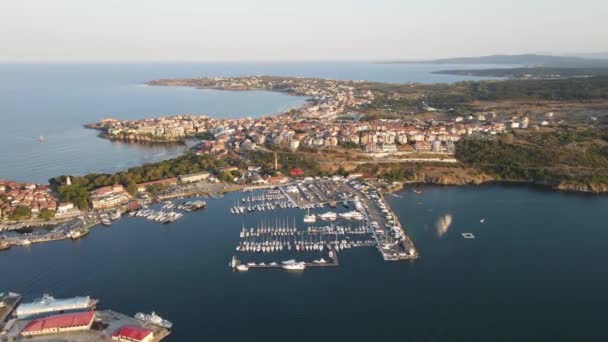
{"x":284,"y":30}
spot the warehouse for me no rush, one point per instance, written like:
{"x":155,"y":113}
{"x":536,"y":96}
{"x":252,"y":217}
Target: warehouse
{"x":133,"y":334}
{"x":59,"y":323}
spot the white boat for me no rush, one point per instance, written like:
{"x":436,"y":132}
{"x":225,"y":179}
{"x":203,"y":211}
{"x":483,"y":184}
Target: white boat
{"x":115,"y":215}
{"x":310,"y":218}
{"x":299,"y":266}
{"x":320,"y":261}
{"x":328,"y":216}
{"x":154,"y":319}
{"x":242,"y":268}
{"x":483,"y":220}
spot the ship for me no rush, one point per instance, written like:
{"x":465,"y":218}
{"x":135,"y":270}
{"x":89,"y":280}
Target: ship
{"x":154,"y":319}
{"x":49,"y":305}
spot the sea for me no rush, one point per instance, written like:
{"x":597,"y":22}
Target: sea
{"x":534,"y":271}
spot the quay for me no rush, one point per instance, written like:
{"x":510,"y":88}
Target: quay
{"x":73,"y":319}
{"x":8,"y":303}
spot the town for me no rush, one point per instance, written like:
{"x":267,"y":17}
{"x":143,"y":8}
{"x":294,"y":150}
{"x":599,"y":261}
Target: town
{"x":336,"y":116}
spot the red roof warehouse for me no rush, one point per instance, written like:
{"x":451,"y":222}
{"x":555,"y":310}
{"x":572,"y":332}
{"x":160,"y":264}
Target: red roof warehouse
{"x":59,"y":323}
{"x":133,"y":333}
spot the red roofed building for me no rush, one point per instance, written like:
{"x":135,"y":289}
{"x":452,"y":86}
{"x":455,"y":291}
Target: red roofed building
{"x":133,"y":334}
{"x":296,"y":173}
{"x":59,"y":323}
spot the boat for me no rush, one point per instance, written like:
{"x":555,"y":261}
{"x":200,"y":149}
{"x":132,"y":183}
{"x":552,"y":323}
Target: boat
{"x":48,"y":305}
{"x":328,"y":216}
{"x":25,"y":242}
{"x":320,"y":261}
{"x":242,"y":268}
{"x":106,"y":221}
{"x":483,"y":220}
{"x":77,"y":233}
{"x":154,"y":319}
{"x":115,"y":215}
{"x":309,"y":218}
{"x":299,"y":266}
{"x":195,"y":205}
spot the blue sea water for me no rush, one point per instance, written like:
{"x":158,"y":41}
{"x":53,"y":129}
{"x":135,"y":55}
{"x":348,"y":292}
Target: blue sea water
{"x":534,"y":272}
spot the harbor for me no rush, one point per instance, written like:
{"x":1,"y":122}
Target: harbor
{"x":340,"y":214}
{"x":74,"y":319}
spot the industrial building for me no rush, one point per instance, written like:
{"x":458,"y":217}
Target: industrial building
{"x":59,"y":323}
{"x":133,"y":334}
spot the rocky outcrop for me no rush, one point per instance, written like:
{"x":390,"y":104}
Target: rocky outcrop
{"x":582,"y":187}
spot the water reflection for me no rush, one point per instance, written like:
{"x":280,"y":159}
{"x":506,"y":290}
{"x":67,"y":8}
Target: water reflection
{"x":443,"y":224}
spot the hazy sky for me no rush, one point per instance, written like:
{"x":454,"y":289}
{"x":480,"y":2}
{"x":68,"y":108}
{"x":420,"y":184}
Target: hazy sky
{"x":239,"y":30}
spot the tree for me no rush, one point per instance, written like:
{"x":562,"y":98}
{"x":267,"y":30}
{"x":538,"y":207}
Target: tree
{"x":46,"y":214}
{"x":132,"y":188}
{"x":20,"y":213}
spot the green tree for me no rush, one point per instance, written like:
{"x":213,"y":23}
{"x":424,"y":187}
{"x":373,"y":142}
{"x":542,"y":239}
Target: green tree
{"x":46,"y":214}
{"x":20,"y":213}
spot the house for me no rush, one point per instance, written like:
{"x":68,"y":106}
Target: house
{"x":193,"y":177}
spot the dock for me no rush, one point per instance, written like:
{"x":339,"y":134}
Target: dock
{"x":370,"y":222}
{"x":106,"y":323}
{"x":10,"y":300}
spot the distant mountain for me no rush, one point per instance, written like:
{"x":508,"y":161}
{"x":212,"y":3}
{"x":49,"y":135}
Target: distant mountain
{"x":523,"y":60}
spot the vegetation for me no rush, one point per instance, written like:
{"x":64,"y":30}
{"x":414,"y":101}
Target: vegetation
{"x":20,"y":213}
{"x":46,"y":214}
{"x":566,"y":155}
{"x":286,"y":161}
{"x":78,"y":192}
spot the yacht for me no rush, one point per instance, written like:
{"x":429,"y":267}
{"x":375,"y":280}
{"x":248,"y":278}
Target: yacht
{"x":309,"y":218}
{"x":298,"y":266}
{"x":328,"y":216}
{"x":154,"y":319}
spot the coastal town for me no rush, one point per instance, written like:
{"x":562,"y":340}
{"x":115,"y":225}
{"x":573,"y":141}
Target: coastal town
{"x":334,"y":117}
{"x":337,"y":118}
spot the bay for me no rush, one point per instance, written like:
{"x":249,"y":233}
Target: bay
{"x":534,"y":272}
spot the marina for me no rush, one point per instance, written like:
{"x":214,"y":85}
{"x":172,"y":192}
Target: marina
{"x":352,"y":214}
